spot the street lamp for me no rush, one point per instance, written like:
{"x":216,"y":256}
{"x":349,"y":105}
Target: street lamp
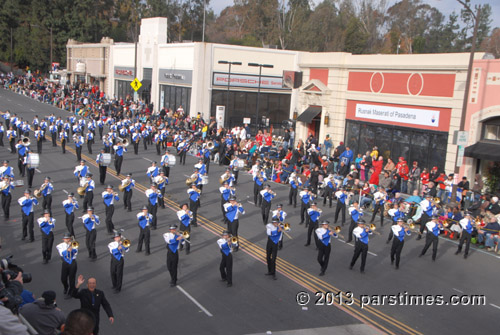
{"x":459,"y":156}
{"x":260,"y":66}
{"x":228,"y":82}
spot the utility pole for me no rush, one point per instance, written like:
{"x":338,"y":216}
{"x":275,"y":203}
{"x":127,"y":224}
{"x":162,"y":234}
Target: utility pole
{"x":459,"y":157}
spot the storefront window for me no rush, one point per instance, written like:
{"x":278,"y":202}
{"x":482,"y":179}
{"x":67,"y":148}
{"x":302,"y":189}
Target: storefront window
{"x":492,"y":132}
{"x":174,"y":96}
{"x":123,"y":89}
{"x":428,"y":148}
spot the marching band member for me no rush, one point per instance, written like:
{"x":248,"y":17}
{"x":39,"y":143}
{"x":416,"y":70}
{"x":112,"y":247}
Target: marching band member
{"x":70,"y":205}
{"x":226,"y":192}
{"x":399,"y":233}
{"x":164,"y":164}
{"x":157,"y":141}
{"x":428,"y":208}
{"x":205,"y":154}
{"x":341,"y":196}
{"x":27,"y":202}
{"x":280,"y":215}
{"x":228,"y":176}
{"x":233,"y":165}
{"x":39,"y":137}
{"x":89,"y":191}
{"x":467,"y":229}
{"x":295,"y":183}
{"x":117,"y":250}
{"x":182,"y":149}
{"x":144,"y":235}
{"x":356,"y":213}
{"x":397,"y":212}
{"x":173,"y":238}
{"x":361,"y":246}
{"x":21,"y":153}
{"x":152,"y":171}
{"x":119,"y":150}
{"x":2,"y":130}
{"x":127,"y":193}
{"x":102,"y":166}
{"x":79,"y":140}
{"x":108,"y":143}
{"x":185,"y":217}
{"x":329,"y":189}
{"x":90,"y":222}
{"x":226,"y":264}
{"x":161,"y":181}
{"x":63,"y":138}
{"x":81,"y":170}
{"x":90,"y":140}
{"x":313,"y":214}
{"x":69,"y":265}
{"x":6,"y":170}
{"x":30,"y":170}
{"x":194,"y":203}
{"x":324,"y":236}
{"x":6,"y":186}
{"x":11,"y":136}
{"x":47,"y":224}
{"x":109,"y":197}
{"x":233,"y":211}
{"x":136,"y":137}
{"x":202,"y":168}
{"x":379,"y":199}
{"x":259,"y":178}
{"x":267,"y":196}
{"x":153,"y":195}
{"x":274,"y":232}
{"x":47,"y":188}
{"x":145,"y":135}
{"x":306,"y":197}
{"x":432,"y":236}
{"x":53,"y":134}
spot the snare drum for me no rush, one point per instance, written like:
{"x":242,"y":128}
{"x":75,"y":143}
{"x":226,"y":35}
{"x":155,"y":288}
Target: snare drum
{"x":106,"y":159}
{"x":204,"y":180}
{"x":33,"y":161}
{"x":171,"y":160}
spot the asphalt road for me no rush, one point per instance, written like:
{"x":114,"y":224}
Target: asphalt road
{"x":201,"y":304}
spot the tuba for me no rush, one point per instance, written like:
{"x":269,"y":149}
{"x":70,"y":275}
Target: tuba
{"x":125,"y":142}
{"x":81,"y":190}
{"x":122,"y":187}
{"x":191,"y":179}
{"x":26,"y":141}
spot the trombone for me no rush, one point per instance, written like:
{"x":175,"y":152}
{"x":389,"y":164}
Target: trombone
{"x":336,"y":232}
{"x":38,"y":193}
{"x":185,"y":235}
{"x":372,"y":229}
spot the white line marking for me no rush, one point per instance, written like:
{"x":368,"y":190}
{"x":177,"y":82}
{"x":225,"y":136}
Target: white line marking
{"x":457,"y":290}
{"x":65,"y":191}
{"x":371,"y":253}
{"x":38,"y":171}
{"x":19,"y":104}
{"x":495,"y":306}
{"x":31,"y":109}
{"x":251,"y":202}
{"x":149,"y":160}
{"x":187,"y":176}
{"x":194,"y":301}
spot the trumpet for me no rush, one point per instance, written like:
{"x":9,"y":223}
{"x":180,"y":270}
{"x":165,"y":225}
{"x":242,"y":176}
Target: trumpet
{"x":372,"y":229}
{"x":185,"y":235}
{"x":125,"y":242}
{"x":336,"y":232}
{"x":286,"y":226}
{"x":75,"y":244}
{"x":234,"y":240}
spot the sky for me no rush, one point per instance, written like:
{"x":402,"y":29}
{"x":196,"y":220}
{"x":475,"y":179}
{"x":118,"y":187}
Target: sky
{"x":445,"y":6}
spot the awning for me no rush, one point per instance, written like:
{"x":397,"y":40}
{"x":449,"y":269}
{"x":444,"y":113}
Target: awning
{"x":309,"y":114}
{"x":484,"y":150}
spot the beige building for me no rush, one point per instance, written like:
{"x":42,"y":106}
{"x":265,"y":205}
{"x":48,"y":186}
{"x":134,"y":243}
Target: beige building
{"x":89,"y":62}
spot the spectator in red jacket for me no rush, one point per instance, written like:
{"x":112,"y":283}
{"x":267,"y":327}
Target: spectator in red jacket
{"x":403,"y":171}
{"x":441,"y":187}
{"x":424,"y":178}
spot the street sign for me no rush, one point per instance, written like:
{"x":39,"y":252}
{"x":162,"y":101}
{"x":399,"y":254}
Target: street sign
{"x":460,"y":156}
{"x":136,"y":84}
{"x":462,"y":137}
{"x":220,"y":115}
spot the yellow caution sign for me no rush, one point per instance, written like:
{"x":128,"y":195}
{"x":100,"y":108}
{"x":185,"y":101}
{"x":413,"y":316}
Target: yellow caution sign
{"x":136,"y":84}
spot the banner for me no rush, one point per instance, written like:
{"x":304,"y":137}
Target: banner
{"x":423,"y":117}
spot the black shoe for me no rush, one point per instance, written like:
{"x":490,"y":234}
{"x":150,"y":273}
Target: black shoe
{"x":457,"y":252}
{"x":116,"y":290}
{"x":45,"y":261}
{"x":274,"y":277}
{"x":148,"y":253}
{"x":362,"y":271}
{"x":223,"y":279}
{"x":420,"y":255}
{"x":465,"y":256}
{"x":349,"y":241}
{"x":397,"y":267}
{"x":419,"y":237}
{"x":350,"y":267}
{"x":138,"y":250}
{"x":269,"y":274}
{"x":307,"y":244}
{"x":187,"y":251}
{"x":229,"y":284}
{"x":302,"y":222}
{"x":172,"y":284}
{"x":392,"y":262}
{"x":67,"y":296}
{"x":322,"y":273}
{"x":388,"y":241}
{"x":433,"y":259}
{"x":23,"y":238}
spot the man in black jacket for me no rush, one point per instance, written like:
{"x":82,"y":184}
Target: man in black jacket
{"x":92,"y":299}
